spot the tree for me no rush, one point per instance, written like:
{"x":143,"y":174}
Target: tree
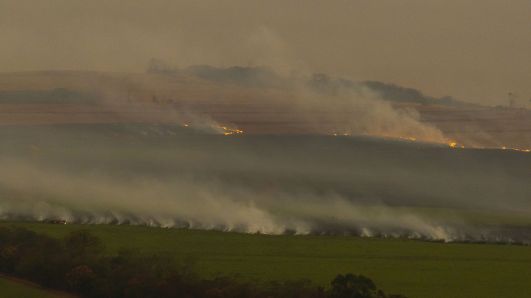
{"x":354,"y":286}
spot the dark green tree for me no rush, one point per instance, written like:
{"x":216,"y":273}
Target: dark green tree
{"x":354,"y":286}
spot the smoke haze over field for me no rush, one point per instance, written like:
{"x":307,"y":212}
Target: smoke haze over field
{"x":270,"y":116}
{"x":471,"y":49}
{"x":171,"y":176}
{"x":204,"y":95}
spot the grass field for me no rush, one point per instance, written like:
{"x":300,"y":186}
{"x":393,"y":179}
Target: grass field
{"x":412,"y":268}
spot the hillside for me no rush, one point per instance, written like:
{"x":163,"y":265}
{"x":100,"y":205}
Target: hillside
{"x":255,"y":108}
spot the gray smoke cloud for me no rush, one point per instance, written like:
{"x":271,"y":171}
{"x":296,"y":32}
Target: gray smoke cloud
{"x":172,"y":166}
{"x":182,"y":202}
{"x":209,"y":97}
{"x":362,"y":111}
{"x":171,"y":176}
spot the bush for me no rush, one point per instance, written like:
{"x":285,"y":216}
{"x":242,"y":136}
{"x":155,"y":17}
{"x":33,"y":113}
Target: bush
{"x":354,"y":286}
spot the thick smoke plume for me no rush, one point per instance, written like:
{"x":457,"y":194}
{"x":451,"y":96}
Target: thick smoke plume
{"x":313,"y":103}
{"x":190,"y":203}
{"x":362,"y":111}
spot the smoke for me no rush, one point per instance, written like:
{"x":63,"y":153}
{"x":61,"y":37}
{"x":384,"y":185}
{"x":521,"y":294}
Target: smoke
{"x":188,"y":203}
{"x":171,"y":176}
{"x":178,"y":202}
{"x":170,"y":95}
{"x":176,"y":168}
{"x":362,"y":111}
{"x":163,"y":94}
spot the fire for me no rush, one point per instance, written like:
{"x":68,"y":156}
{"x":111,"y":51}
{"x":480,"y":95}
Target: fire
{"x":451,"y":143}
{"x":345,"y":134}
{"x":516,"y":149}
{"x":411,"y":139}
{"x":227,"y":131}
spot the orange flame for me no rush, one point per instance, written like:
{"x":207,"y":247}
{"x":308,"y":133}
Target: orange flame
{"x":452,"y":144}
{"x":227,"y":131}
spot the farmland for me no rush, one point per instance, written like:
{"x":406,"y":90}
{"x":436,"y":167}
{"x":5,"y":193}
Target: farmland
{"x":413,"y":268}
{"x":283,"y":198}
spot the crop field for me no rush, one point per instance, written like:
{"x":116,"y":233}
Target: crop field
{"x":173,"y":176}
{"x":234,"y":149}
{"x":410,"y":267}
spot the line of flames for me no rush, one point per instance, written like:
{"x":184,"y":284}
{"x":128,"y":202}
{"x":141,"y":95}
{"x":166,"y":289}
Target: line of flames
{"x":451,"y":143}
{"x":227,"y":131}
{"x":455,"y":145}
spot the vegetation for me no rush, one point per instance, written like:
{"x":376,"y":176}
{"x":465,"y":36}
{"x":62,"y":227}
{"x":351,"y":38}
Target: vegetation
{"x":9,"y":288}
{"x":78,"y":263}
{"x":412,"y":268}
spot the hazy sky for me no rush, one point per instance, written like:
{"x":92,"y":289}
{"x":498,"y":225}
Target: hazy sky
{"x":477,"y":50}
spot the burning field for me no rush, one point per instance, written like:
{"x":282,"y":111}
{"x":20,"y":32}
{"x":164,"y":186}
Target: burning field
{"x":247,"y":150}
{"x":261,"y":149}
{"x":176,"y":176}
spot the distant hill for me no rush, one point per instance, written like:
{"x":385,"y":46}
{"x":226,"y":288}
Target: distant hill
{"x":256,"y":100}
{"x":323,"y":83}
{"x":387,"y":91}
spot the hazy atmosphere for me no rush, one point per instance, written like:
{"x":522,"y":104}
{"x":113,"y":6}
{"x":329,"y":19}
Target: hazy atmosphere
{"x":263,"y":149}
{"x":475,"y":50}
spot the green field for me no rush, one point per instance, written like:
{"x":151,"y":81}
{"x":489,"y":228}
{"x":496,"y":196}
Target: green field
{"x":412,"y":268}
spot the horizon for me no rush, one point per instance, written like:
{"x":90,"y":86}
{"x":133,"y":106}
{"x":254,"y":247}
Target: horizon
{"x":476,"y":51}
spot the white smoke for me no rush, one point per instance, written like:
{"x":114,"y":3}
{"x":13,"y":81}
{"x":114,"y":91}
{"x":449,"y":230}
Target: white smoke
{"x":361,"y":111}
{"x":44,"y":193}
